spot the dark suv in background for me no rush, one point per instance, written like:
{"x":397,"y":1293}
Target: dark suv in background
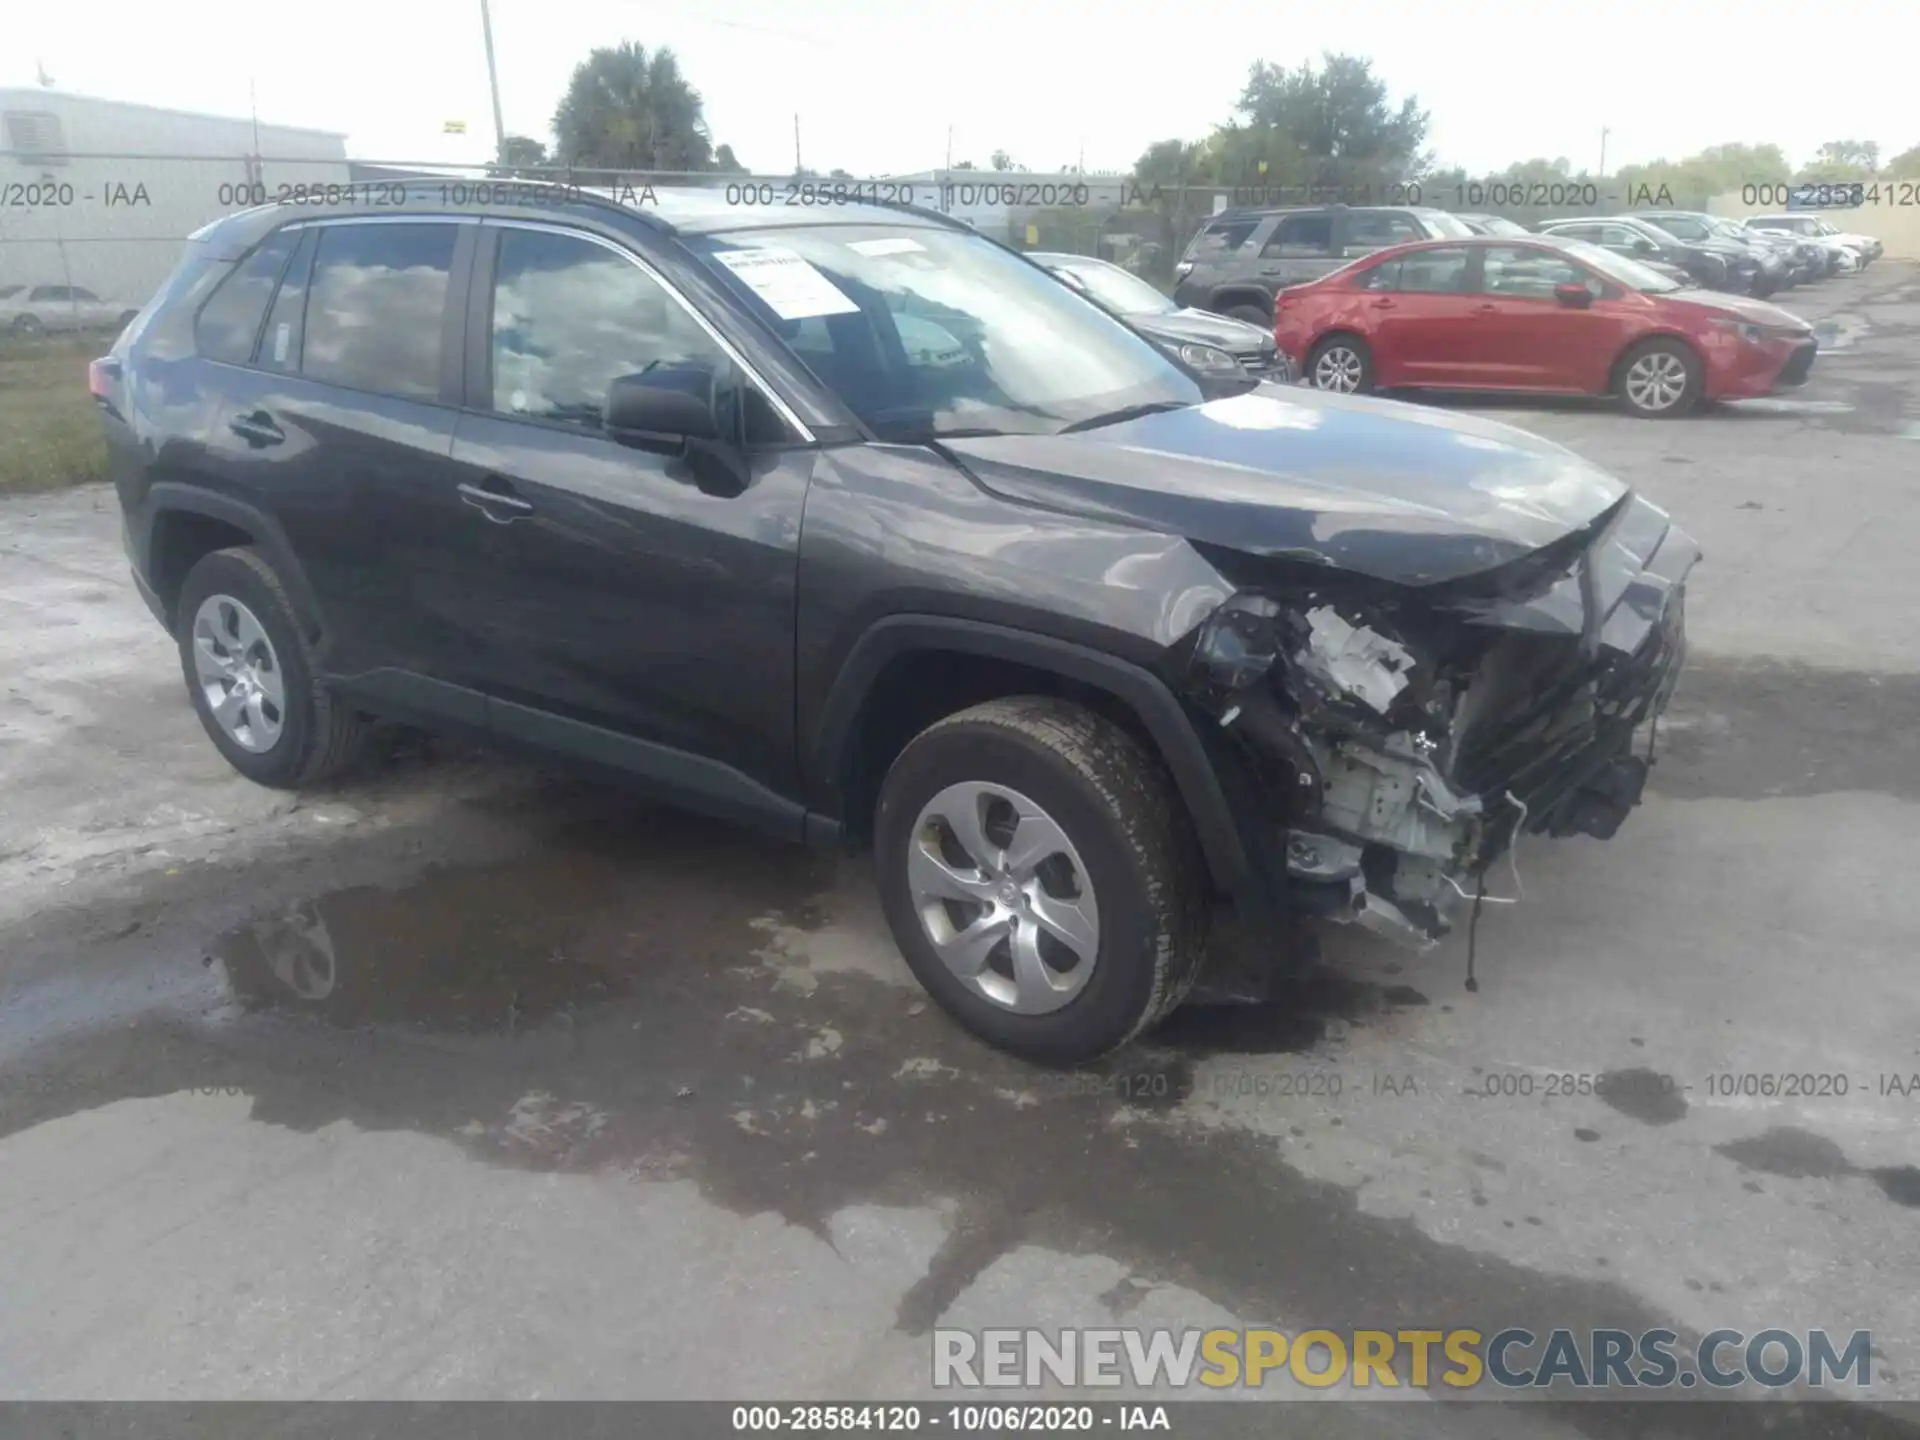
{"x":1238,"y":261}
{"x":857,"y":526}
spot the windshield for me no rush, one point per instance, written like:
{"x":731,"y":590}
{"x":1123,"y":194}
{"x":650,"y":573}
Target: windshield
{"x":1117,"y":289}
{"x":1619,"y":269}
{"x":1500,"y":225}
{"x":925,"y":333}
{"x":1448,"y":225}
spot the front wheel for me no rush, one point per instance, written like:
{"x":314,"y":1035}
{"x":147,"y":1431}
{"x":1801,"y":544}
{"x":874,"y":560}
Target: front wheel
{"x":1040,"y":877}
{"x":1341,"y":363}
{"x":1251,"y":315}
{"x":1661,"y":379}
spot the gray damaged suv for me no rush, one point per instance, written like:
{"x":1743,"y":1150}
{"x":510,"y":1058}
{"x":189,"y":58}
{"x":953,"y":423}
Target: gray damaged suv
{"x":1241,"y":259}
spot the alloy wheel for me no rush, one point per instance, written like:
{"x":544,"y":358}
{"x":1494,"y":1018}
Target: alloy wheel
{"x":1338,"y":368}
{"x":239,"y":673}
{"x":1656,"y":381}
{"x":1004,"y":897}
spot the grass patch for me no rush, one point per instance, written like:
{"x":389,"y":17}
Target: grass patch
{"x":50,"y":434}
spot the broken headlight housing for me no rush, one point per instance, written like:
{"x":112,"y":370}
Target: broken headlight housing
{"x":1338,"y":662}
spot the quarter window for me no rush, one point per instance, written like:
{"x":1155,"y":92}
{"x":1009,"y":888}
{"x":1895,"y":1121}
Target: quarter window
{"x":377,"y":306}
{"x":570,"y":317}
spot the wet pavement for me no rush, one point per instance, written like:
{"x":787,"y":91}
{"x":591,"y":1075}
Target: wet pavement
{"x":467,"y":1080}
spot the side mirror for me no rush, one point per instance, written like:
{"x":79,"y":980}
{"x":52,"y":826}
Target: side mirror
{"x":1575,"y":295}
{"x":1644,"y":246}
{"x":663,"y":406}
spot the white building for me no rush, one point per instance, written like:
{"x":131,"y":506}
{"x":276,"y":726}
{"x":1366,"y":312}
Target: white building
{"x":100,"y":194}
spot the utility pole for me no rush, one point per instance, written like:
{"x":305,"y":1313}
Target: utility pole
{"x":796,"y":142}
{"x":1604,"y":132}
{"x":493,"y":83}
{"x":949,"y":147}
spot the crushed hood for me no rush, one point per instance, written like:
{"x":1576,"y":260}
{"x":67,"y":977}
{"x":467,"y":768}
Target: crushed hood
{"x":1397,"y":492}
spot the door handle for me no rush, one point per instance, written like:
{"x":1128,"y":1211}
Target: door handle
{"x":257,"y":429}
{"x":1486,"y":309}
{"x":495,"y":500}
{"x":1383,"y":304}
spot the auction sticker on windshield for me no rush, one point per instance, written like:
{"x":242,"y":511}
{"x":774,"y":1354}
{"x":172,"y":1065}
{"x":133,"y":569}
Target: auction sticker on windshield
{"x":791,"y":286}
{"x":898,"y":245}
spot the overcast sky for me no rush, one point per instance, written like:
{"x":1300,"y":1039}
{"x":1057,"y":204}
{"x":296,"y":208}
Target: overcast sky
{"x":876,"y":83}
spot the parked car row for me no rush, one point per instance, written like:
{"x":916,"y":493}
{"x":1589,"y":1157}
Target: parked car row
{"x":1660,"y":309}
{"x":49,"y":309}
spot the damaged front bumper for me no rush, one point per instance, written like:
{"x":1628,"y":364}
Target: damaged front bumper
{"x":1395,"y":743}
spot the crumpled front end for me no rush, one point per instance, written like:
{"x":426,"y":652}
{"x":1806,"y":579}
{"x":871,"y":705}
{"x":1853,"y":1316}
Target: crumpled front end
{"x":1398,"y":741}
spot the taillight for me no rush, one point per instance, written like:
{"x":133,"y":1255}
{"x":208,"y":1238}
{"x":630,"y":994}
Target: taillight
{"x":101,"y":377}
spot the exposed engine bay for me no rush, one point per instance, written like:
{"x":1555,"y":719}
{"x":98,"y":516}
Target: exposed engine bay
{"x":1400,"y":745}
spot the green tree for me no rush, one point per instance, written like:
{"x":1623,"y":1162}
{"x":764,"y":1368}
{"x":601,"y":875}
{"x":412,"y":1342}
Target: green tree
{"x":1002,"y":161}
{"x":1841,"y":160}
{"x":520,"y":155}
{"x":1335,"y":121}
{"x":1905,"y":165}
{"x":627,"y":110}
{"x":724,"y":162}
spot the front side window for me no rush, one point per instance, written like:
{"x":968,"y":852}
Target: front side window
{"x":376,"y":307}
{"x":926,"y":332}
{"x":1684,"y":227}
{"x":46,"y":293}
{"x":570,"y":317}
{"x":1528,"y":272}
{"x":1300,"y":235}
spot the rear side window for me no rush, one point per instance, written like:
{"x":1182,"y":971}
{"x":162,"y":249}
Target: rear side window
{"x":48,"y":292}
{"x":229,"y":322}
{"x":376,"y":306}
{"x":1301,"y":235}
{"x":1219,"y":236}
{"x":1434,"y":272}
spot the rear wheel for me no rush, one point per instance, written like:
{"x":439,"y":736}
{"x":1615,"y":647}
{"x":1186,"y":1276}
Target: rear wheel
{"x":29,"y":325}
{"x":253,"y":677}
{"x":1040,"y":878}
{"x":1660,"y":379}
{"x":1341,"y":363}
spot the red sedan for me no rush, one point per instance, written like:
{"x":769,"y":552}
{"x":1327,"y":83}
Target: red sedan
{"x":1537,"y":314}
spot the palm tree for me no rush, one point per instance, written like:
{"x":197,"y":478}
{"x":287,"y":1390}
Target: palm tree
{"x":627,"y":110}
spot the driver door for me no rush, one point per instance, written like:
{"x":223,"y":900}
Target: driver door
{"x":630,"y":610}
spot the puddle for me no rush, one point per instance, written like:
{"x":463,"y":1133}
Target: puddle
{"x":508,"y":946}
{"x":1839,"y":333}
{"x":1642,"y":1094}
{"x":1801,"y":1155}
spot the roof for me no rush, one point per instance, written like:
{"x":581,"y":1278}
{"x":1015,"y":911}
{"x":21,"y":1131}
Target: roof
{"x":22,"y":96}
{"x":704,"y":210}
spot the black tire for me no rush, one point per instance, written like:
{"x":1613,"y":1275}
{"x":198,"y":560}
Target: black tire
{"x":1340,"y":340}
{"x":1120,"y":811}
{"x":320,"y":736}
{"x":29,"y":326}
{"x":1252,"y":315}
{"x":1692,"y":388}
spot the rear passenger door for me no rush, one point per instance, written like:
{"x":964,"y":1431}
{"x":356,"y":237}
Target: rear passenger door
{"x":1422,"y":314}
{"x":340,"y":424}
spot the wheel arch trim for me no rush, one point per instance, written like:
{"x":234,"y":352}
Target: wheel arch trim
{"x":828,"y":764}
{"x":168,"y":497}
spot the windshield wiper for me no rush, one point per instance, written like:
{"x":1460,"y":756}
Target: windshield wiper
{"x":1125,"y":412}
